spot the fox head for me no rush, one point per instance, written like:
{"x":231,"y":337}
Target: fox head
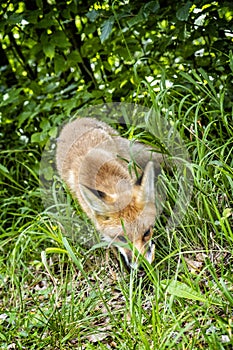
{"x":125,"y":217}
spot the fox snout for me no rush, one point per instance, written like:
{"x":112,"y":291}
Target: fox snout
{"x":131,"y":256}
{"x":132,"y":250}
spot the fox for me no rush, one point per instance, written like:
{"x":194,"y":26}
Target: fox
{"x":113,"y":180}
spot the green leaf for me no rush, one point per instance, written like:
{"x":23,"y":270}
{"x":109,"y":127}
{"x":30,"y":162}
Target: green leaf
{"x":32,"y":16}
{"x":15,"y":18}
{"x":59,"y":64}
{"x":59,"y":39}
{"x":23,"y":116}
{"x":38,"y":137}
{"x":68,"y":105}
{"x":106,"y":29}
{"x":181,"y":290}
{"x":11,"y":96}
{"x":90,"y":28}
{"x":73,"y":58}
{"x":45,"y":124}
{"x":152,"y":6}
{"x":93,"y":15}
{"x":47,"y":172}
{"x":135,"y":20}
{"x":49,"y":50}
{"x":227,"y":212}
{"x":3,"y":169}
{"x":183,"y":13}
{"x":47,"y":22}
{"x":39,"y":3}
{"x":53,"y":132}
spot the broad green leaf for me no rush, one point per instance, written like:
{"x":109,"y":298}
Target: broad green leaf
{"x":32,"y":16}
{"x":11,"y":96}
{"x":47,"y":172}
{"x":39,"y":3}
{"x":53,"y":132}
{"x":152,"y":6}
{"x":135,"y":20}
{"x":73,"y":58}
{"x":45,"y":124}
{"x":181,"y":290}
{"x":123,"y":52}
{"x":227,"y":212}
{"x":69,"y":105}
{"x":90,"y":28}
{"x":22,"y":117}
{"x":93,"y":15}
{"x":3,"y":169}
{"x":106,"y":29}
{"x":38,"y":137}
{"x":49,"y":50}
{"x":183,"y":13}
{"x":46,"y":22}
{"x":145,"y":11}
{"x":15,"y":18}
{"x":59,"y":39}
{"x":59,"y":63}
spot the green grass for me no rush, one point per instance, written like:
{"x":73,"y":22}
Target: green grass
{"x":57,"y":294}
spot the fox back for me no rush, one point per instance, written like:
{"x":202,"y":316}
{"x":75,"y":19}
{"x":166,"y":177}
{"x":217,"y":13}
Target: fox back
{"x":113,"y":181}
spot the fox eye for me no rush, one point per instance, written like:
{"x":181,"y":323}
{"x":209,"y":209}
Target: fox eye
{"x":122,"y":239}
{"x":147,"y":233}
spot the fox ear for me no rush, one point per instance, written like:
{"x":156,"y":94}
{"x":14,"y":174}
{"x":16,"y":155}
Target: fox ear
{"x":146,"y":182}
{"x":93,"y":199}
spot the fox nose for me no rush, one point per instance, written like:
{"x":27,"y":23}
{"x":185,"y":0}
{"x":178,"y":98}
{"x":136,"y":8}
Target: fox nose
{"x":131,"y":259}
{"x":132,"y":256}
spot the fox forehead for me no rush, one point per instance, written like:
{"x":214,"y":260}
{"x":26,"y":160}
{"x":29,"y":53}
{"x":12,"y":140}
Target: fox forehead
{"x":115,"y":225}
{"x":136,"y":215}
{"x":133,"y":232}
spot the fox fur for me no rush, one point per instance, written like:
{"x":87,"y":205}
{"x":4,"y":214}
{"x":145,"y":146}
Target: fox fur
{"x":98,"y":165}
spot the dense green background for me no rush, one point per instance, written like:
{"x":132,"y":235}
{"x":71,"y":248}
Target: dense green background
{"x":57,"y":57}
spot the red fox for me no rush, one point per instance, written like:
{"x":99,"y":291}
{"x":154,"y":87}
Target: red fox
{"x":113,"y":181}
